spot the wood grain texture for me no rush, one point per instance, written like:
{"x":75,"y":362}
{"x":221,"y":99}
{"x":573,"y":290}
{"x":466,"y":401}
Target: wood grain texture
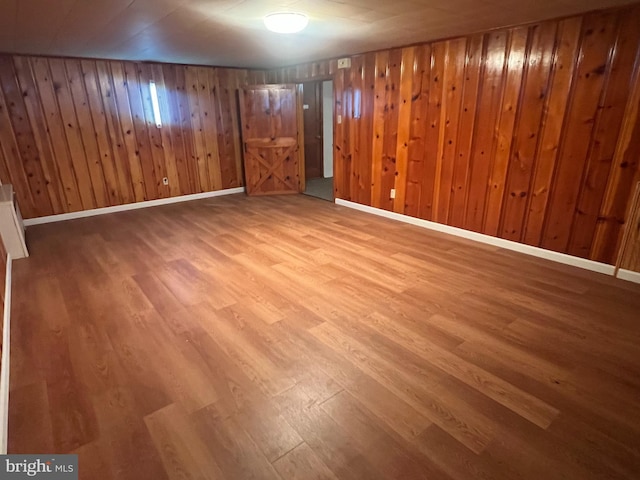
{"x":629,"y":257}
{"x":80,"y":134}
{"x":286,"y":337}
{"x":273,"y":140}
{"x":522,"y":133}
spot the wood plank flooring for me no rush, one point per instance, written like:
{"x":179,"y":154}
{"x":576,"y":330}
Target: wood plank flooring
{"x":289,"y":338}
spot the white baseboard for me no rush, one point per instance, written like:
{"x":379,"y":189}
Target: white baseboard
{"x":629,"y":275}
{"x":4,"y":372}
{"x":130,"y":206}
{"x":488,"y":239}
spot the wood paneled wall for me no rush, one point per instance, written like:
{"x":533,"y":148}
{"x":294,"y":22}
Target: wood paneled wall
{"x":530,"y":133}
{"x":80,"y":134}
{"x":629,"y":258}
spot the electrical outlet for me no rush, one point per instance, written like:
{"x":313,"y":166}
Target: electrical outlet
{"x":344,"y":62}
{"x":165,"y":181}
{"x":392,"y":193}
{"x":339,"y":119}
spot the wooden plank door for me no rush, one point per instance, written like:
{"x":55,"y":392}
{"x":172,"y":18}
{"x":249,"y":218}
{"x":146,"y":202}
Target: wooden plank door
{"x":312,"y":113}
{"x":271,"y":134}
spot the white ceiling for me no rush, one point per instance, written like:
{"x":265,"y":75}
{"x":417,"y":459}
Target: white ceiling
{"x":231,"y":32}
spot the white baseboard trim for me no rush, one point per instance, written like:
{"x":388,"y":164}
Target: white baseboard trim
{"x":4,"y":372}
{"x":629,"y":275}
{"x":488,"y":239}
{"x":130,"y":206}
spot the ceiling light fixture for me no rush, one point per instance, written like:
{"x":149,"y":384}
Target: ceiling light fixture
{"x":286,"y":22}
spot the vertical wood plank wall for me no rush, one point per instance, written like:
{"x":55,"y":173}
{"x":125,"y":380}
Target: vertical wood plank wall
{"x":529,"y":133}
{"x":630,"y":249}
{"x":80,"y":134}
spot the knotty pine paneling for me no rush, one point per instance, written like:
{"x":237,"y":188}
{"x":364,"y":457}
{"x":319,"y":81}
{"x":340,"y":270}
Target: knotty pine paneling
{"x":530,"y":133}
{"x":80,"y":134}
{"x":629,"y":257}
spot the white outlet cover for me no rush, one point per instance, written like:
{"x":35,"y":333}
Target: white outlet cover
{"x":344,"y":63}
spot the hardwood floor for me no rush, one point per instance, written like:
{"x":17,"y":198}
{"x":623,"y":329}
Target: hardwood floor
{"x":287,"y":337}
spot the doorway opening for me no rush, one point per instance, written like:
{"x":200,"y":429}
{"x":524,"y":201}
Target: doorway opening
{"x":318,"y":138}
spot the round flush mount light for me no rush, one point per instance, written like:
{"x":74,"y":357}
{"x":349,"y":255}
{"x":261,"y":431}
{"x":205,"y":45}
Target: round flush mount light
{"x":286,"y":22}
